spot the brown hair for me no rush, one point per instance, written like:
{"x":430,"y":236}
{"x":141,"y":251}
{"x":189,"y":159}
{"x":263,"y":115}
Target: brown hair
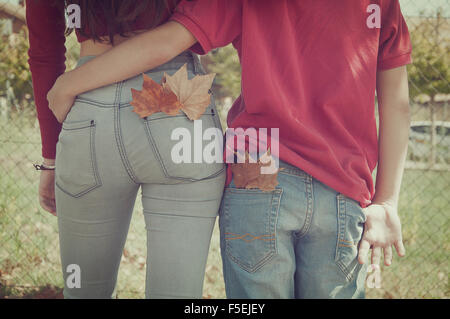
{"x":119,"y":15}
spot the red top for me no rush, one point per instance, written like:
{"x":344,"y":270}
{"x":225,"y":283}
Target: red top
{"x":308,"y":68}
{"x":46,"y":25}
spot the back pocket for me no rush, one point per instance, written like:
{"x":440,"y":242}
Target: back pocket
{"x":187,"y":150}
{"x":76,"y":171}
{"x":248,"y":226}
{"x":351,"y":220}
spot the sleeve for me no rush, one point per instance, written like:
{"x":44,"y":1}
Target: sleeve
{"x":395,"y":45}
{"x":46,"y":26}
{"x":214,"y":23}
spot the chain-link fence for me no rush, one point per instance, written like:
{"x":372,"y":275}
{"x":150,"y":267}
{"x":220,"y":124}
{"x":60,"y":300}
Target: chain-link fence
{"x":29,"y":252}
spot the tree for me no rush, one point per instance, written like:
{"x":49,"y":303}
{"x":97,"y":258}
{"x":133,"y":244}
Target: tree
{"x":429,"y":74}
{"x":225,"y":62}
{"x":15,"y":77}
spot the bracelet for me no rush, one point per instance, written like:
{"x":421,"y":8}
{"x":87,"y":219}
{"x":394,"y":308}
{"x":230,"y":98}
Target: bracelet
{"x":43,"y":167}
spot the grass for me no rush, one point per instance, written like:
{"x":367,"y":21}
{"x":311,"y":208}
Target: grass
{"x":29,"y":252}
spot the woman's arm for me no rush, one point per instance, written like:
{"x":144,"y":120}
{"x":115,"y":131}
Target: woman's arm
{"x":46,"y":25}
{"x":383,"y":228}
{"x":136,"y":55}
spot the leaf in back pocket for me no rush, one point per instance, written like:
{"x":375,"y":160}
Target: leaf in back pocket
{"x":154,"y":98}
{"x":193,"y":94}
{"x":249,"y":174}
{"x":244,"y":173}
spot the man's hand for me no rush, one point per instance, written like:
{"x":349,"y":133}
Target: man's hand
{"x":60,"y":100}
{"x":382,"y":230}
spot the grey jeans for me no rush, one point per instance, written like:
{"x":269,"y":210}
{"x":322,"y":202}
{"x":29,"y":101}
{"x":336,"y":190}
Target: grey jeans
{"x":104,"y":154}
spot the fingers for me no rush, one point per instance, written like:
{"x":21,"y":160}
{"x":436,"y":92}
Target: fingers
{"x":377,"y":251}
{"x":388,"y":256}
{"x":61,"y":118}
{"x":47,"y":191}
{"x":48,"y":204}
{"x":364,"y":247}
{"x":400,"y":248}
{"x":376,"y":255}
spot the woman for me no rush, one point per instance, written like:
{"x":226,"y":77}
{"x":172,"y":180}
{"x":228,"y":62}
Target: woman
{"x":103,"y":153}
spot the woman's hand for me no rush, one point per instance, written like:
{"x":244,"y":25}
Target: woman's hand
{"x":60,"y":99}
{"x":47,"y":189}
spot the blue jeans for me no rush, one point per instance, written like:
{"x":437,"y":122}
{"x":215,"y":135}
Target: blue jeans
{"x":298,"y":241}
{"x":105,"y":154}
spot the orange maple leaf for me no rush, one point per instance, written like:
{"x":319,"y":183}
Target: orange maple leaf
{"x":154,"y":98}
{"x":249,"y":174}
{"x":193,"y":94}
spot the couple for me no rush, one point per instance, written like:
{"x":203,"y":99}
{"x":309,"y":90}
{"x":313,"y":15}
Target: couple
{"x":310,"y":68}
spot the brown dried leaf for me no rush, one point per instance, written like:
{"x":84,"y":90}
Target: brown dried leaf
{"x":248,"y":174}
{"x":169,"y":104}
{"x":244,"y":173}
{"x":154,"y":98}
{"x":193,"y":94}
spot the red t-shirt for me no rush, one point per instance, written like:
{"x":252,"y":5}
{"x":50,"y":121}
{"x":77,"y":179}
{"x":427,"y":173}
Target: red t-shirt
{"x":308,"y":68}
{"x":46,"y":26}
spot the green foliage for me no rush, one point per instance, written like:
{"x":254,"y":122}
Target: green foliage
{"x":15,"y":77}
{"x":429,"y":74}
{"x":225,"y":62}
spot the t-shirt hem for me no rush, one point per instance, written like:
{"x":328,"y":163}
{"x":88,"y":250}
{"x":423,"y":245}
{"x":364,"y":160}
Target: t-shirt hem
{"x":203,"y":40}
{"x":394,"y":62}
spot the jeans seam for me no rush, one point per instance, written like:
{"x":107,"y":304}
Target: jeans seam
{"x":93,"y":164}
{"x":341,"y":219}
{"x":155,"y":149}
{"x":309,"y":209}
{"x":291,"y":172}
{"x":94,"y":156}
{"x":94,"y":103}
{"x":276,"y":203}
{"x":118,"y":135}
{"x":181,"y":200}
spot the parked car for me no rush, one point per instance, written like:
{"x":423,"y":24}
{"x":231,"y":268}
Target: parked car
{"x":420,"y":141}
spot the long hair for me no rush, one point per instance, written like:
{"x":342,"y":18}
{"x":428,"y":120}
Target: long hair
{"x":118,"y":15}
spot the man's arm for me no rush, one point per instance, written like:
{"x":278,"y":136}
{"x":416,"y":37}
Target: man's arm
{"x":394,"y":113}
{"x":383,"y":228}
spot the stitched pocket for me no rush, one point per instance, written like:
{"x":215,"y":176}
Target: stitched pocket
{"x":350,"y":220}
{"x":76,"y":171}
{"x":248,"y":226}
{"x":187,"y":150}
